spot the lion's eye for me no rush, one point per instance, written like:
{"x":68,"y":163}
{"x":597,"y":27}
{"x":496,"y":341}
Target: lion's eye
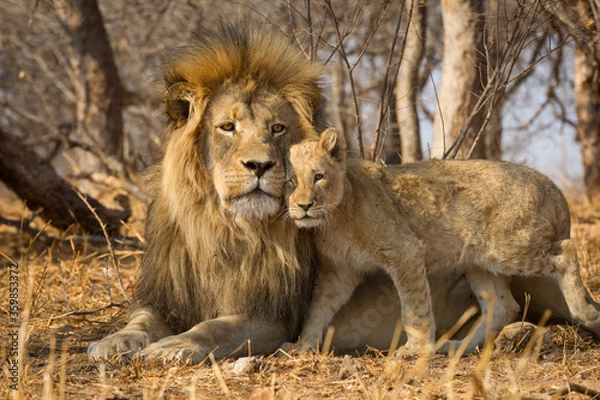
{"x":318,"y":177}
{"x":278,"y":129}
{"x":227,"y":127}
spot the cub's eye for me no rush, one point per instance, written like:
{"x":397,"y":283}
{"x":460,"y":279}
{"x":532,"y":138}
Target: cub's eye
{"x":291,"y":182}
{"x":318,"y":177}
{"x":278,"y":129}
{"x":227,"y":127}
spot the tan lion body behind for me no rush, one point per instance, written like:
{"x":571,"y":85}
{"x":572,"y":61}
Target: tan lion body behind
{"x":489,"y":220}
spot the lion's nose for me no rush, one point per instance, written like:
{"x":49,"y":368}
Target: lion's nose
{"x":305,"y":206}
{"x":259,"y":168}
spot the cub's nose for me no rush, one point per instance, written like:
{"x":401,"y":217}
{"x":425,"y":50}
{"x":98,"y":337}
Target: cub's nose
{"x":258,"y":167}
{"x":305,"y":206}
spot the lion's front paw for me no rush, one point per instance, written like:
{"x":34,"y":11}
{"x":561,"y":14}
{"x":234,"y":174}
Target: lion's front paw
{"x":177,"y":347}
{"x":120,"y":344}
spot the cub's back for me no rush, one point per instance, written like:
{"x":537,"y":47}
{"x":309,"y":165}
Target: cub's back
{"x":479,"y":207}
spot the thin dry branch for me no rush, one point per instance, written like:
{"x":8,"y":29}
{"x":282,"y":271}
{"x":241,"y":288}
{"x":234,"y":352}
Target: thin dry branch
{"x":113,"y":258}
{"x":389,"y":82}
{"x":344,"y":55}
{"x":362,"y":50}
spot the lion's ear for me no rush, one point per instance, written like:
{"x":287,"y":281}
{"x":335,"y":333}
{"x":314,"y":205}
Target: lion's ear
{"x":178,"y":98}
{"x":332,"y":142}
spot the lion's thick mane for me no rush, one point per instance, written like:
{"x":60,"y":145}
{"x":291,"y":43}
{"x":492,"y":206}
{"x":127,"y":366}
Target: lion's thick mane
{"x":202,"y":261}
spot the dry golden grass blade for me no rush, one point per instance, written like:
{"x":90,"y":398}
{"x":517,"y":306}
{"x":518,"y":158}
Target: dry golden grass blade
{"x":395,"y":338}
{"x":327,"y":340}
{"x":219,"y":375}
{"x":467,"y":315}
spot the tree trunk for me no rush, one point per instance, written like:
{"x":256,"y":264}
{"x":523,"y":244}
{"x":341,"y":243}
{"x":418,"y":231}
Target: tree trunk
{"x":587,"y":105}
{"x":463,"y":78}
{"x":408,"y":85}
{"x":97,"y":84}
{"x":493,"y":134}
{"x":34,"y":180}
{"x":392,"y":147}
{"x":587,"y":96}
{"x":577,"y":17}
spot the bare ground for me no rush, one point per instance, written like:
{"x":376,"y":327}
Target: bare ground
{"x":70,"y":295}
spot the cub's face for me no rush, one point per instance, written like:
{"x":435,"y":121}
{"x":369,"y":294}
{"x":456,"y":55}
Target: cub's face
{"x":319,"y":183}
{"x":248,"y":138}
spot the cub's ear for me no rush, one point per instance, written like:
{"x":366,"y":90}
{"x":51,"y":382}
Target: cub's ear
{"x":332,"y":142}
{"x":178,"y":99}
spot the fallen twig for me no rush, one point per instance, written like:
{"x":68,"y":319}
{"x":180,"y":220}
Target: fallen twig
{"x":86,"y":312}
{"x":573,"y":387}
{"x":135,"y":242}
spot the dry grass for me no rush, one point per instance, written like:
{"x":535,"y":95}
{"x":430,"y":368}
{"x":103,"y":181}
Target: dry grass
{"x":70,"y":296}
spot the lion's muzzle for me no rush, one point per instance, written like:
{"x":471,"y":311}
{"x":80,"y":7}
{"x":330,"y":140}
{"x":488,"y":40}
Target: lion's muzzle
{"x":258,"y":167}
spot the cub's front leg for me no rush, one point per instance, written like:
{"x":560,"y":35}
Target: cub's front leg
{"x":408,"y":271}
{"x":334,"y":288}
{"x":144,"y":327}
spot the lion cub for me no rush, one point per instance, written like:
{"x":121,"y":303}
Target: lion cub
{"x":481,"y":217}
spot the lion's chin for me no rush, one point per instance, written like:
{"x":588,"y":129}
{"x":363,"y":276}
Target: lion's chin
{"x":308,"y":222}
{"x":256,"y":205}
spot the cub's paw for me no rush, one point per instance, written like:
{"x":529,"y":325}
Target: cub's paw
{"x":424,"y":350}
{"x":406,"y":352}
{"x":121,"y":345}
{"x":299,"y":347}
{"x":176,"y":347}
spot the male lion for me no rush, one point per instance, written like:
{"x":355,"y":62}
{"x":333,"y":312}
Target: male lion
{"x":221,"y":268}
{"x":480,"y":217}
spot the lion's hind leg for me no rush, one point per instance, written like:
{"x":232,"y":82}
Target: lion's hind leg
{"x":498,"y":309}
{"x":565,"y":266}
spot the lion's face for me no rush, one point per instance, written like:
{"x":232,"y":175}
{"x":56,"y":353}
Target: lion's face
{"x":319,"y":171}
{"x":247,"y":138}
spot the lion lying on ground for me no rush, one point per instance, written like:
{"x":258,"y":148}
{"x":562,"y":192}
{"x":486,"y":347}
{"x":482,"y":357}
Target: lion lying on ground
{"x":223,"y":267}
{"x":487,"y":219}
{"x":220,"y":267}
